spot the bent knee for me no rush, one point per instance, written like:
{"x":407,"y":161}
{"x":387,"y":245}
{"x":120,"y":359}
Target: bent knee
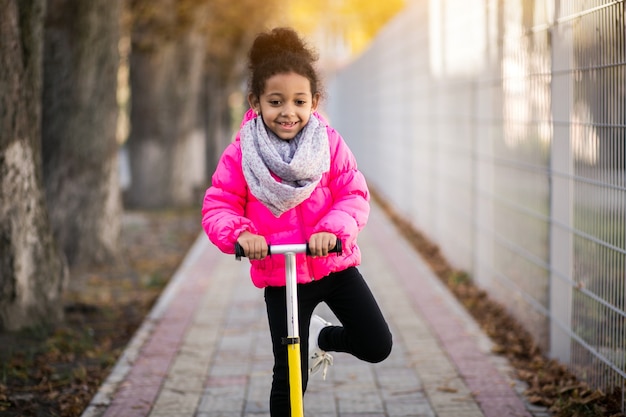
{"x":380,"y":351}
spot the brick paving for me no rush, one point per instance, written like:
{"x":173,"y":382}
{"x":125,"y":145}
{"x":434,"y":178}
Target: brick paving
{"x":204,"y":351}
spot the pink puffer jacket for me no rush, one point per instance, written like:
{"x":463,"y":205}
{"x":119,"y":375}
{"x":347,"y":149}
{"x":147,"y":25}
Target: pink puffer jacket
{"x":339,"y":205}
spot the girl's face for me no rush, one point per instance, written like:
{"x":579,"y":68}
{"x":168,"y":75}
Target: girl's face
{"x":286,"y":104}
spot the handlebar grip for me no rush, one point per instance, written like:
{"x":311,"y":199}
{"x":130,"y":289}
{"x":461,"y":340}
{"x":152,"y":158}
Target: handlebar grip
{"x":239,"y":252}
{"x":338,"y":249}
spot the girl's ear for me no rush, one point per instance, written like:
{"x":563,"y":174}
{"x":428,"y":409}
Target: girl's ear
{"x":254,"y":103}
{"x":315,"y":101}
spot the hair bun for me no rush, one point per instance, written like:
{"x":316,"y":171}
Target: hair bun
{"x":277,"y":42}
{"x":280,"y":51}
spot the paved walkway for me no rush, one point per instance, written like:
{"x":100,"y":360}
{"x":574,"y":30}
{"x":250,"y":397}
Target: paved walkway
{"x":204,"y":351}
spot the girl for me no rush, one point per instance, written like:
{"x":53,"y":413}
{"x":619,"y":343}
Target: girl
{"x":289,"y":178}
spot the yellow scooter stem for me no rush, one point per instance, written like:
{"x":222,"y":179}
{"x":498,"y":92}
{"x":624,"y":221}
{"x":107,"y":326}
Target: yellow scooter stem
{"x":295,"y":380}
{"x":293,"y":332}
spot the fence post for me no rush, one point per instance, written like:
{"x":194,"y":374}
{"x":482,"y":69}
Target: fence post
{"x":561,"y":191}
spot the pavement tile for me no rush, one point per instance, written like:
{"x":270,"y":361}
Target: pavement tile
{"x":122,"y":410}
{"x":137,"y":394}
{"x":205,"y":350}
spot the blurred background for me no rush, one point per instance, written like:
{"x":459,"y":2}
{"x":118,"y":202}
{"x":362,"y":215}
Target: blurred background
{"x":126,"y":104}
{"x":496,"y":128}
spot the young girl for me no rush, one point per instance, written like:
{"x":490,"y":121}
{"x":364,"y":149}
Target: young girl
{"x":290,"y":178}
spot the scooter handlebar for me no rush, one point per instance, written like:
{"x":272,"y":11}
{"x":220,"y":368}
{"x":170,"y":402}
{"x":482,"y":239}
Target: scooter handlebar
{"x":282,"y":249}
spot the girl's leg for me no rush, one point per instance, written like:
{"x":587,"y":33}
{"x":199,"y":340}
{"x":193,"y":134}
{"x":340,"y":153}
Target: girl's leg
{"x":364,"y":332}
{"x":276,"y":304}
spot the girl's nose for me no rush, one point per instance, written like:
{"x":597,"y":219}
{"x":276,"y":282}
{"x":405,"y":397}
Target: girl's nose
{"x":288,"y":110}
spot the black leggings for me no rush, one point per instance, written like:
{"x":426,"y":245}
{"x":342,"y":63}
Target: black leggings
{"x":364,"y":333}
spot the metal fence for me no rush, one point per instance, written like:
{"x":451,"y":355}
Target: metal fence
{"x":498,"y":128}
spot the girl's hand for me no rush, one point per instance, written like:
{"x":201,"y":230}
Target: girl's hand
{"x":320,"y":243}
{"x":254,"y":246}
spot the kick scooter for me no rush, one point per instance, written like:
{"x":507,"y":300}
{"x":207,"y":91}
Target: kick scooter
{"x":293,"y":333}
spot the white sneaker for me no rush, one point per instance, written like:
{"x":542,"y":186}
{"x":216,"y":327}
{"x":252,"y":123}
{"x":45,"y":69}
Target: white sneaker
{"x":318,"y":359}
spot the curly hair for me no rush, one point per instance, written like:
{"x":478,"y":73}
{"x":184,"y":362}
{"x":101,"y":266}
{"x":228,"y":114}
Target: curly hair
{"x":280,"y":51}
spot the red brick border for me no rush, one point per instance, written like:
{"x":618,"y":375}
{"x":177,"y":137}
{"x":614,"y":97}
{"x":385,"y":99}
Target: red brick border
{"x":491,"y":390}
{"x":138,"y":392}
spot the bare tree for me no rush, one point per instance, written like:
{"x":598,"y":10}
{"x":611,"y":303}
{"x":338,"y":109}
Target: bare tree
{"x":230,"y":29}
{"x":32,"y":270}
{"x":188,"y":56}
{"x":166,"y":143}
{"x":80,"y":151}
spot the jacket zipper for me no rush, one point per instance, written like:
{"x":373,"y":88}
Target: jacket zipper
{"x":309,"y":264}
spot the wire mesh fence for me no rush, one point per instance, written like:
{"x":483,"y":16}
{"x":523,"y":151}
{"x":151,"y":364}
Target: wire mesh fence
{"x":499,"y":128}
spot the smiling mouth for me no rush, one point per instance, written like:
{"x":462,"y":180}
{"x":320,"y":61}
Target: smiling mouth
{"x":288,"y":124}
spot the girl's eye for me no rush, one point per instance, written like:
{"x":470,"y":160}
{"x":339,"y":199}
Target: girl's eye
{"x":275,"y":102}
{"x":300,"y":102}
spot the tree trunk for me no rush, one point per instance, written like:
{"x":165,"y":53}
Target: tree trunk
{"x":232,"y":27}
{"x":219,"y":126}
{"x":32,"y":270}
{"x":80,"y":151}
{"x":167,"y":140}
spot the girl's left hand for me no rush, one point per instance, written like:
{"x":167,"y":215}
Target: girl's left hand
{"x":320,"y":243}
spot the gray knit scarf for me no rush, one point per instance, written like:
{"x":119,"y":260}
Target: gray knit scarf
{"x":299,"y":163}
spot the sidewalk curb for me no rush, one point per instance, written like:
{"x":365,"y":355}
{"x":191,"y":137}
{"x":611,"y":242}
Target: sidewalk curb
{"x":124,"y":364}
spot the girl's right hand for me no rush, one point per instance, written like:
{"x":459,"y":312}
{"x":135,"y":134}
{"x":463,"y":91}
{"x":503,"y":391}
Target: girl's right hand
{"x":254,"y":246}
